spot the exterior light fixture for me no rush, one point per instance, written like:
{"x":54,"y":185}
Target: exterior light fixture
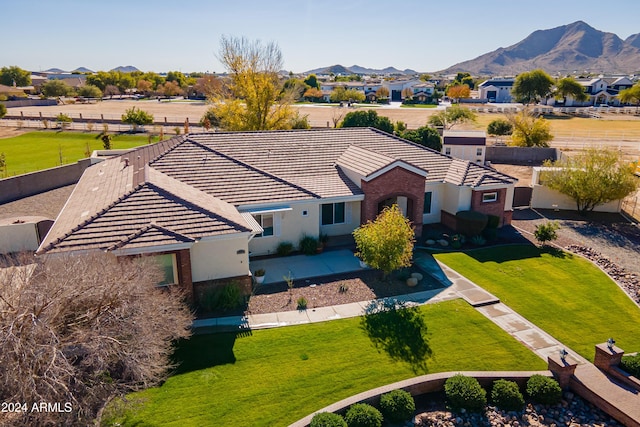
{"x":563,"y":354}
{"x":610,"y":343}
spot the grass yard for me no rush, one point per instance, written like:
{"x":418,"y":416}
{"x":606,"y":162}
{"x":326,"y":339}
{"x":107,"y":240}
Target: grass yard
{"x":42,"y":149}
{"x":566,"y":295}
{"x":274,"y":377}
{"x":418,"y":106}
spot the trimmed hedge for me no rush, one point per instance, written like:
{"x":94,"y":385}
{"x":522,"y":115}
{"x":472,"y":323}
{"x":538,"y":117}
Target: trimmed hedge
{"x":465,"y":392}
{"x":397,"y":406}
{"x":327,"y":419}
{"x":631,"y":364}
{"x":471,"y":223}
{"x":544,"y":389}
{"x":363,"y":415}
{"x":506,"y":395}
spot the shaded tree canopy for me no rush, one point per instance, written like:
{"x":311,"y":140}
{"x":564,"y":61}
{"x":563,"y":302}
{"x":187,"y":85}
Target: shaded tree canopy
{"x":499,"y":127}
{"x":568,"y":86}
{"x":255,"y":99}
{"x":591,"y":178}
{"x":451,"y":116}
{"x":14,"y":75}
{"x":529,"y":130}
{"x":424,"y":135}
{"x":56,"y":88}
{"x":368,"y":118}
{"x":531,"y":86}
{"x":82,"y":329}
{"x":631,"y":95}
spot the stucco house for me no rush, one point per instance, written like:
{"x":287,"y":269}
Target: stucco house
{"x":466,"y":145}
{"x":204,"y":203}
{"x":497,"y":89}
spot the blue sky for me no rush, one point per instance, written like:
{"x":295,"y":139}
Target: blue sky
{"x":165,"y":35}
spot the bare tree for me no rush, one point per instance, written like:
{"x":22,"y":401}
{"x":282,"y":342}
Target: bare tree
{"x":76,"y":330}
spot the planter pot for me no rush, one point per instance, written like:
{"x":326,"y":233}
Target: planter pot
{"x":259,"y":279}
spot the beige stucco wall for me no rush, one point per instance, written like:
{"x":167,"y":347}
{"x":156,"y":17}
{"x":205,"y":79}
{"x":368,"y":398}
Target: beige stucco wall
{"x":18,"y":237}
{"x":546,"y":198}
{"x":219,"y":258}
{"x":351,"y":218}
{"x":456,"y":198}
{"x":466,"y":152}
{"x":437,"y":197}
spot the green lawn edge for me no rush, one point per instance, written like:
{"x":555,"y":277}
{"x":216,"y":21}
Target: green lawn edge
{"x":277,"y":376}
{"x":564,"y":294}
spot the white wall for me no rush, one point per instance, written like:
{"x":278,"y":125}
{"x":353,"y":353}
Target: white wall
{"x":466,"y":152}
{"x":456,"y":198}
{"x":546,"y":198}
{"x":219,"y":258}
{"x":437,"y":197}
{"x":18,"y":237}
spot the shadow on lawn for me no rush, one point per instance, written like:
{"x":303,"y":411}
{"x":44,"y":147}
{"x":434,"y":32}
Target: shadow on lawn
{"x":399,"y":331}
{"x":500,"y":254}
{"x":205,"y":351}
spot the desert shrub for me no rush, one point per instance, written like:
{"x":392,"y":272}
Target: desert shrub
{"x":363,"y":415}
{"x":544,"y":389}
{"x":63,"y":120}
{"x":457,"y":240}
{"x":308,"y":245}
{"x":344,"y":287}
{"x":506,"y":395}
{"x":3,"y":110}
{"x":631,"y":364}
{"x":327,"y":419}
{"x":397,"y":406}
{"x":465,"y":392}
{"x":284,"y":248}
{"x":302,"y":303}
{"x":546,"y":232}
{"x":471,"y":223}
{"x":478,"y":240}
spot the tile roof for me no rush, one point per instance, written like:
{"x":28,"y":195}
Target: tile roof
{"x":190,"y":186}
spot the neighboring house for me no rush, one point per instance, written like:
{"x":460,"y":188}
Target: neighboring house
{"x":465,"y":145}
{"x":497,"y":89}
{"x":203,"y":203}
{"x":544,"y":197}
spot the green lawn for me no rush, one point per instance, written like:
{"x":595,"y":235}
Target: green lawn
{"x":566,"y":296}
{"x":42,"y":149}
{"x":274,"y":377}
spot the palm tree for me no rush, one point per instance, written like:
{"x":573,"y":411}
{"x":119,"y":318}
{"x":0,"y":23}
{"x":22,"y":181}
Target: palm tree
{"x":631,"y":95}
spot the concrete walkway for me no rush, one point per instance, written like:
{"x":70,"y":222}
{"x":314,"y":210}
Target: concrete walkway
{"x":544,"y":345}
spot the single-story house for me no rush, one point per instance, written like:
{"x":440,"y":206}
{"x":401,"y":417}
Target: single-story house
{"x":497,"y":89}
{"x":204,"y":203}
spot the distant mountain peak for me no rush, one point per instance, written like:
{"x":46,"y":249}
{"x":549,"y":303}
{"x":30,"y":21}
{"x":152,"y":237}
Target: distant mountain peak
{"x":564,"y":49}
{"x":125,"y":68}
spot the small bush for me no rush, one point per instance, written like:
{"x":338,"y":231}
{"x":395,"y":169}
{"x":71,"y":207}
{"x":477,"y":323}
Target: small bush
{"x":631,"y":364}
{"x":228,"y":297}
{"x":465,"y":392}
{"x":493,"y":221}
{"x":327,"y":419}
{"x":457,"y":240}
{"x":544,"y":390}
{"x":344,"y":287}
{"x":397,"y":406}
{"x":284,"y":248}
{"x":308,"y":245}
{"x":363,"y":415}
{"x":478,"y":240}
{"x":546,"y":232}
{"x":302,"y":303}
{"x":506,"y":395}
{"x":259,"y":272}
{"x":471,"y":223}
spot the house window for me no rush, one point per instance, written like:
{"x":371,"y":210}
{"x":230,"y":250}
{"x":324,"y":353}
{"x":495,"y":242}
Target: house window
{"x":447,"y":151}
{"x":266,"y":222}
{"x":427,"y":203}
{"x":489,"y":197}
{"x":333,"y":213}
{"x":478,"y":151}
{"x":168,"y":265}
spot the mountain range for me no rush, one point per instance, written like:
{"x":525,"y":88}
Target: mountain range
{"x":356,"y":69}
{"x":575,"y":47}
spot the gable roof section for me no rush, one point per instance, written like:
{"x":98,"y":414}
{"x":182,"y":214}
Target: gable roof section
{"x":363,"y":161}
{"x":151,"y":235}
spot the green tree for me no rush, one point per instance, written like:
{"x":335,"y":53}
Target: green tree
{"x":546,"y":232}
{"x":568,"y":86}
{"x":354,"y":95}
{"x":136,"y":117}
{"x":368,"y":118}
{"x":295,"y":87}
{"x":452,"y":116}
{"x":531,"y":86}
{"x":425,"y":135}
{"x":54,"y":88}
{"x":386,"y":243}
{"x":90,"y":91}
{"x":631,"y":95}
{"x":178,"y":77}
{"x":499,"y":127}
{"x":3,"y":110}
{"x":257,"y":101}
{"x":312,"y":81}
{"x":529,"y":130}
{"x":10,"y":76}
{"x":591,"y":178}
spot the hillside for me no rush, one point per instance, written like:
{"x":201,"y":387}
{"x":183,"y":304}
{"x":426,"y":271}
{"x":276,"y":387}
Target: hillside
{"x":565,"y":49}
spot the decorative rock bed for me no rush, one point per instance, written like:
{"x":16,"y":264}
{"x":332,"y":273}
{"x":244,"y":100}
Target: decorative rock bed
{"x":628,"y":281}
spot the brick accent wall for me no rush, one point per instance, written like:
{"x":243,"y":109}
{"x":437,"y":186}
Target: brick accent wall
{"x":396,"y":182}
{"x":492,"y":208}
{"x":448,"y":220}
{"x":183,"y":261}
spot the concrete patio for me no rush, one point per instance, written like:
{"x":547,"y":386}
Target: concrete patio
{"x":306,"y":266}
